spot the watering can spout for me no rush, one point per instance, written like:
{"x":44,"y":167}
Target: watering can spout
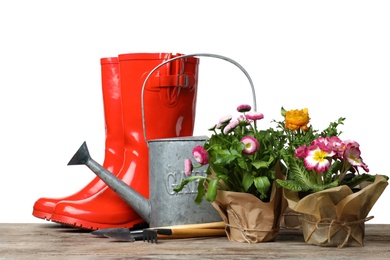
{"x":139,"y":203}
{"x":81,"y":156}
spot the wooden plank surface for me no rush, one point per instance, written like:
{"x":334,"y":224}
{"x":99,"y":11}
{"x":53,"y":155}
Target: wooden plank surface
{"x":53,"y":241}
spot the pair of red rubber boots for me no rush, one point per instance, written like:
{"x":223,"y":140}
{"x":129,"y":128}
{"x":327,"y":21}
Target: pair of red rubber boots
{"x":169,"y":102}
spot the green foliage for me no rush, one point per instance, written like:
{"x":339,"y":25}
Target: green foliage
{"x":353,"y":180}
{"x":231,"y":169}
{"x":332,"y":129}
{"x":299,"y":178}
{"x":237,"y":171}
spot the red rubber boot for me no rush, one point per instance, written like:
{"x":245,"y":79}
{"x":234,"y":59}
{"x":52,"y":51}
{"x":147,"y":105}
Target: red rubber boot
{"x":169,"y":112}
{"x":114,"y":145}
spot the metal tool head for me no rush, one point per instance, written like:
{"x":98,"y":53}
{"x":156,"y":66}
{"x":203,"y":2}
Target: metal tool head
{"x":151,"y":235}
{"x":120,"y":234}
{"x":103,"y":232}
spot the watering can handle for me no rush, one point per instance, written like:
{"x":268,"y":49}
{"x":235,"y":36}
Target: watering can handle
{"x":193,"y":55}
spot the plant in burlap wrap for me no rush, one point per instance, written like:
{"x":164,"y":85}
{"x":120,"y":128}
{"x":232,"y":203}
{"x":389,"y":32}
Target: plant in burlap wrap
{"x":324,"y":185}
{"x":240,"y":183}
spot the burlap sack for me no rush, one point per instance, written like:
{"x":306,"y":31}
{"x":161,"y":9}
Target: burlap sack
{"x":336,"y":216}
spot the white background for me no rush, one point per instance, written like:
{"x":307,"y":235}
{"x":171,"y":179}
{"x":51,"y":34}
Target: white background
{"x":330,"y":56}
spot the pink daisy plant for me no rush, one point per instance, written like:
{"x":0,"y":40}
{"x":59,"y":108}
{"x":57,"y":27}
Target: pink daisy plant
{"x":235,"y":161}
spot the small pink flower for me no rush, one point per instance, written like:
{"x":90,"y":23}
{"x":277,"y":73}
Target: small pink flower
{"x":352,"y":154}
{"x":244,"y":108}
{"x":225,"y":119}
{"x":241,"y":118}
{"x":323,"y":143}
{"x":230,"y":127}
{"x":200,"y":155}
{"x":254,"y":116}
{"x":251,"y":145}
{"x":317,"y":159}
{"x":300,"y":152}
{"x":331,"y":145}
{"x":188,"y":167}
{"x":338,"y":147}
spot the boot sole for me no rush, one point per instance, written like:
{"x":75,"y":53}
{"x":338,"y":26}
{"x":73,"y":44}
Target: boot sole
{"x":42,"y":215}
{"x":82,"y":224}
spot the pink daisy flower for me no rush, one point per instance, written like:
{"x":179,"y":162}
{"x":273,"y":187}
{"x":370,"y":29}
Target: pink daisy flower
{"x":251,"y":145}
{"x":200,"y":155}
{"x":230,"y":127}
{"x":188,"y":167}
{"x":244,"y":108}
{"x":254,"y":115}
{"x":223,"y":121}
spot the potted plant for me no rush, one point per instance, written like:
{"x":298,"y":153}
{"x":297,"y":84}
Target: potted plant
{"x":324,"y":182}
{"x":242,"y":166}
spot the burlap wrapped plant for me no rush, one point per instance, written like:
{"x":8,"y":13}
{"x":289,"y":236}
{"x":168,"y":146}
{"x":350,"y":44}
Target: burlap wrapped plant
{"x":323,"y":173}
{"x":240,"y":181}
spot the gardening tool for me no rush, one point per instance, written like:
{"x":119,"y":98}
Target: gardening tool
{"x":138,"y":228}
{"x":135,"y":229}
{"x":164,"y":208}
{"x":124,"y":234}
{"x":170,"y":98}
{"x":170,"y":232}
{"x":152,"y":235}
{"x":114,"y":143}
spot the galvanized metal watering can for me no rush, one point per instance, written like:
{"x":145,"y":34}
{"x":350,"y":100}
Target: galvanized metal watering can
{"x":166,"y":171}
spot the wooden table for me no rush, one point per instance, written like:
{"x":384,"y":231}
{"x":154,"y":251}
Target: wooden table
{"x":53,"y":241}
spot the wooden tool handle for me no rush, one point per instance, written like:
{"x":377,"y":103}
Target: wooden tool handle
{"x":195,"y":232}
{"x":210,"y":225}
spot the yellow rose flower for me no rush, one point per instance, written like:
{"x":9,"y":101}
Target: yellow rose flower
{"x":297,"y":119}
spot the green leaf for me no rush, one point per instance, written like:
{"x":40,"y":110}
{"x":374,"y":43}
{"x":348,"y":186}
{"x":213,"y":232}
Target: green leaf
{"x":212,"y":189}
{"x":260,"y":164}
{"x":186,"y":181}
{"x":329,"y":185}
{"x":243,"y":164}
{"x":334,"y":168}
{"x":247,"y":180}
{"x":283,"y":111}
{"x":299,"y":173}
{"x":262,"y":184}
{"x":224,"y":156}
{"x":358,"y":179}
{"x":289,"y":184}
{"x":201,"y":192}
